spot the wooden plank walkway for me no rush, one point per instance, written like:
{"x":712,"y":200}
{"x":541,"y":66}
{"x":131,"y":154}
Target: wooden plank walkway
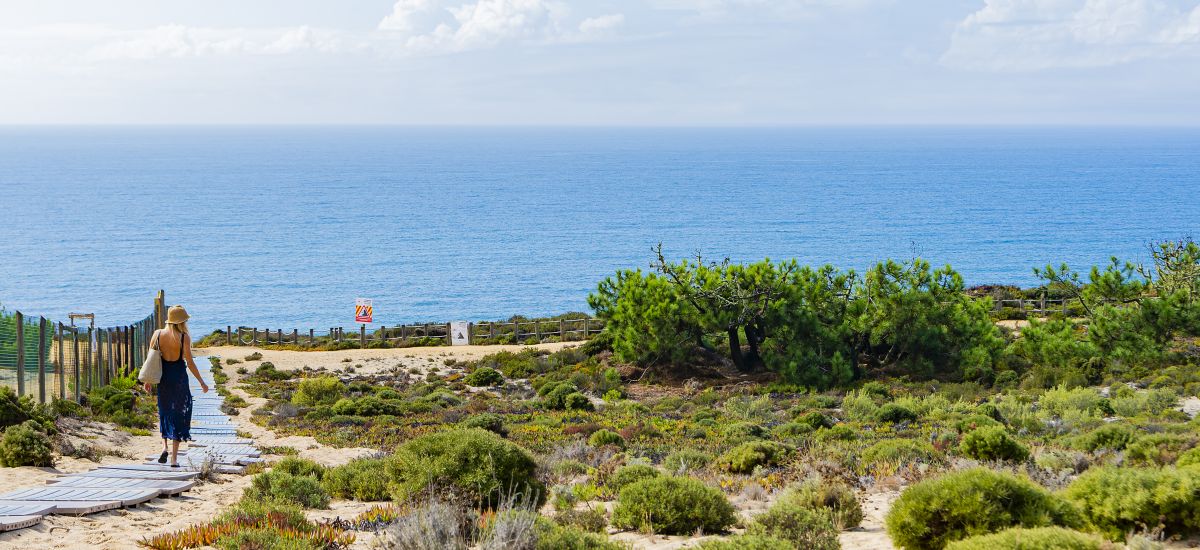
{"x":115,"y":486}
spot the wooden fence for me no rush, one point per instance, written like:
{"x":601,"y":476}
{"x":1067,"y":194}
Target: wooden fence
{"x":486,"y":332}
{"x":46,"y":359}
{"x":1043,"y":305}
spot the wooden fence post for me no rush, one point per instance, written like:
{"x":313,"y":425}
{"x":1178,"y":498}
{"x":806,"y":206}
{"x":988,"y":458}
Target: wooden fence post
{"x":403,"y":334}
{"x":20,"y":353}
{"x":362,"y":336}
{"x":310,"y":337}
{"x":62,"y":367}
{"x":75,"y":355}
{"x":492,"y":330}
{"x":42,"y":351}
{"x":449,"y":336}
{"x":228,"y":335}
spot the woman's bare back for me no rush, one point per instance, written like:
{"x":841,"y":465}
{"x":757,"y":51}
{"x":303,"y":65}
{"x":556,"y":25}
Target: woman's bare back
{"x":170,"y":345}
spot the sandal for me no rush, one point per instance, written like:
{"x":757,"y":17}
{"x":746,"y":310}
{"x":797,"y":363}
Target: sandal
{"x":174,"y":465}
{"x":162,"y":458}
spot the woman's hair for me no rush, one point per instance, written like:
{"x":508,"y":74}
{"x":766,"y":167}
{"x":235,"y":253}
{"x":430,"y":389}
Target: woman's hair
{"x":180,"y":328}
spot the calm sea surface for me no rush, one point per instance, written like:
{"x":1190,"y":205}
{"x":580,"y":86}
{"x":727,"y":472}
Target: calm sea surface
{"x":285,"y":227}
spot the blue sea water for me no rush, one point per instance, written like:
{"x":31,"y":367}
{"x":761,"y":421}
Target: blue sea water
{"x":285,"y":226}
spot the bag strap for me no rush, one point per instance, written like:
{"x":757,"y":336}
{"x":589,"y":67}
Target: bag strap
{"x":157,"y":340}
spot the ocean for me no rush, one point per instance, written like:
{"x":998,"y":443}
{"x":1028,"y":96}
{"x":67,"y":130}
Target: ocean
{"x":284,"y":227}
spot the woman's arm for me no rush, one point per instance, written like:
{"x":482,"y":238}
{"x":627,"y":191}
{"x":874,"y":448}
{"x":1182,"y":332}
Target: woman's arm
{"x":191,"y":362}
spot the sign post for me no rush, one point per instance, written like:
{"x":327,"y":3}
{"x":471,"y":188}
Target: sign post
{"x":363,"y":310}
{"x":460,"y":333}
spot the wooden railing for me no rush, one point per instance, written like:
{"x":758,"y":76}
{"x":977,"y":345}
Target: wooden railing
{"x":485,"y":332}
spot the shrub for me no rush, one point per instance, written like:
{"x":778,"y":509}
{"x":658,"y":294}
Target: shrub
{"x":428,"y":526}
{"x":792,"y":430}
{"x":816,"y":420}
{"x":836,"y":433}
{"x":686,"y":460}
{"x":744,"y":458}
{"x":1113,"y":437}
{"x":1116,"y":501}
{"x":1191,"y":457}
{"x":591,"y":520}
{"x":601,"y":438}
{"x":672,"y":506}
{"x":300,"y":467}
{"x":992,"y":443}
{"x":577,"y":402}
{"x":971,"y":502}
{"x":25,"y":445}
{"x":1157,"y":449}
{"x":898,"y":451}
{"x":552,"y":536}
{"x":801,"y":526}
{"x":742,"y":431}
{"x":834,"y":497}
{"x":627,"y":475}
{"x":467,"y":466}
{"x":747,"y":542}
{"x":976,"y":421}
{"x":323,"y":390}
{"x":491,"y":422}
{"x":895,"y":414}
{"x":254,"y":356}
{"x":363,"y":479}
{"x":265,"y":538}
{"x":484,"y":376}
{"x":303,"y":490}
{"x":554,"y":395}
{"x":1031,"y":539}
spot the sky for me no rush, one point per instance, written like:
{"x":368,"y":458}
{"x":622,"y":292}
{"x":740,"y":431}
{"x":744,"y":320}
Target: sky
{"x":600,"y":62}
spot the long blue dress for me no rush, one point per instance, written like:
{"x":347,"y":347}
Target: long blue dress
{"x":175,"y":400}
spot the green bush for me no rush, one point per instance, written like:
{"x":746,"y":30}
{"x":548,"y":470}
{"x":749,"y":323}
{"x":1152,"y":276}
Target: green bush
{"x":374,"y":406}
{"x":898,"y":451}
{"x":672,"y":506}
{"x":1191,"y":457}
{"x":303,"y":490}
{"x":262,"y":538}
{"x":1037,"y":538}
{"x":816,"y":420}
{"x":792,"y":430}
{"x":894,"y":414}
{"x":1116,"y":501}
{"x":627,"y":475}
{"x":25,"y":445}
{"x":836,"y":433}
{"x":834,"y":497}
{"x":554,"y":536}
{"x":743,"y":431}
{"x":744,"y":458}
{"x":1111,"y":437}
{"x":935,"y":512}
{"x":484,"y":376}
{"x":300,"y":467}
{"x":467,"y":466}
{"x":491,"y":422}
{"x":363,"y":479}
{"x":747,"y":542}
{"x":323,"y":390}
{"x":1157,"y":449}
{"x":600,"y":438}
{"x":577,"y":402}
{"x":799,"y":525}
{"x":992,"y":443}
{"x":686,"y":460}
{"x":976,"y":421}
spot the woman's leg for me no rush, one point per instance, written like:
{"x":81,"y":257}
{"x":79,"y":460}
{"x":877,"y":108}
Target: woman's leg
{"x":174,"y":451}
{"x":164,"y":444}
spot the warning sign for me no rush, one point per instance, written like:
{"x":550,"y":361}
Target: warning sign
{"x":363,"y":310}
{"x":460,"y":333}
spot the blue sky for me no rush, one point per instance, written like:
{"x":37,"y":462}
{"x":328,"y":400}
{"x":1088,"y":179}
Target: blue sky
{"x":606,"y":62}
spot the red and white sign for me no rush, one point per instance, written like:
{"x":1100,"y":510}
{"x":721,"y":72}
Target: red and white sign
{"x":363,"y":310}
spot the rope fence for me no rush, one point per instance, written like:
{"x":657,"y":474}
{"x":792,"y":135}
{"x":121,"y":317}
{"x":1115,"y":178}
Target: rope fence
{"x":424,"y":334}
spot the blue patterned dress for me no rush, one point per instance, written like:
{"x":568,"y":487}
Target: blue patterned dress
{"x":175,"y":400}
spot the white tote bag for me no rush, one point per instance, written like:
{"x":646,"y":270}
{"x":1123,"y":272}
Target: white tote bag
{"x":151,"y":371}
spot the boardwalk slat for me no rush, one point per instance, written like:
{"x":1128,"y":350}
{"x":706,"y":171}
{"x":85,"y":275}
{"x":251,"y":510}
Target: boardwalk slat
{"x":66,"y":507}
{"x":8,"y":523}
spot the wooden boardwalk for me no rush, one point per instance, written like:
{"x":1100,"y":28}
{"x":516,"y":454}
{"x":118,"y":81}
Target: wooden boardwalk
{"x":114,"y":486}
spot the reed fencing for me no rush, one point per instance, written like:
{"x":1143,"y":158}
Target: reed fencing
{"x":45,"y":359}
{"x":423,"y":334}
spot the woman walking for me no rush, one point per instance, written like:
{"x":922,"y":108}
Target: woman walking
{"x":174,"y":397}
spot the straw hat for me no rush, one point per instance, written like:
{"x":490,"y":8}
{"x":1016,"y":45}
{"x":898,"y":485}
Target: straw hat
{"x":178,"y":316}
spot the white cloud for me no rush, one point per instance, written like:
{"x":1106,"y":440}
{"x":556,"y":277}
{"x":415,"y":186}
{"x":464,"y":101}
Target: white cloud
{"x":444,"y":25}
{"x":177,"y":41}
{"x":601,"y":23}
{"x":1020,"y":35}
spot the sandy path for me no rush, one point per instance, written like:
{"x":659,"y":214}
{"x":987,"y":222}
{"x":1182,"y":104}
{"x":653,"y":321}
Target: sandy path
{"x":871,"y":535}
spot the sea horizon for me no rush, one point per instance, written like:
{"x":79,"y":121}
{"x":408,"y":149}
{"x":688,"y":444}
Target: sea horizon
{"x":285,"y":225}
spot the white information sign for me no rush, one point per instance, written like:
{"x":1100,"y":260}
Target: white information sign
{"x":460,"y":333}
